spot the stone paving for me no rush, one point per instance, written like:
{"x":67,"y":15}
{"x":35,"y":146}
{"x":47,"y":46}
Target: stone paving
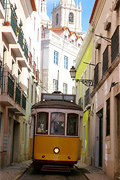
{"x":91,"y":172}
{"x":16,"y":170}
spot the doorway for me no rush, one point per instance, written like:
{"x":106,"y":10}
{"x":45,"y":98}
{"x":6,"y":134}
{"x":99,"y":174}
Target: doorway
{"x":16,"y":134}
{"x":100,"y":135}
{"x":100,"y":140}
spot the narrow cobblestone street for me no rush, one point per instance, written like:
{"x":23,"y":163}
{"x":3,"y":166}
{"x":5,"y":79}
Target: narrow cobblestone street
{"x":75,"y":174}
{"x":22,"y":171}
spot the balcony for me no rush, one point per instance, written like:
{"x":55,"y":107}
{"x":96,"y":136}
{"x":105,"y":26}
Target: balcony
{"x":2,"y":9}
{"x":23,"y":100}
{"x":18,"y":94}
{"x":87,"y":97}
{"x":23,"y":59}
{"x":9,"y":29}
{"x":96,"y":75}
{"x":14,"y":35}
{"x":26,"y":49}
{"x":105,"y":60}
{"x":34,"y":68}
{"x":11,"y":94}
{"x":37,"y":75}
{"x":115,"y":44}
{"x":7,"y":88}
{"x":21,"y":49}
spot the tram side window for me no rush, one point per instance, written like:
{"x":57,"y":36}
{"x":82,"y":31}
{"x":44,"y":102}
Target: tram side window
{"x":42,"y":123}
{"x":72,"y":124}
{"x":57,"y":123}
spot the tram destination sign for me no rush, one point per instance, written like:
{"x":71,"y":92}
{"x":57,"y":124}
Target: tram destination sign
{"x":67,"y":97}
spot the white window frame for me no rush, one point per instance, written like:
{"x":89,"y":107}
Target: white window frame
{"x":55,"y":84}
{"x":65,"y":88}
{"x":65,"y":62}
{"x":56,"y":57}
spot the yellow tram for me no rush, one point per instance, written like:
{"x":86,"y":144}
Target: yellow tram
{"x":56,"y":126}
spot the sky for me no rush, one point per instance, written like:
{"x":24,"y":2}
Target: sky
{"x":87,"y":6}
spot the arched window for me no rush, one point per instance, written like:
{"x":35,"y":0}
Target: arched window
{"x":56,"y":18}
{"x":71,"y":17}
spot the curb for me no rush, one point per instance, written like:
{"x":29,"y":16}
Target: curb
{"x":82,"y":172}
{"x":20,"y":174}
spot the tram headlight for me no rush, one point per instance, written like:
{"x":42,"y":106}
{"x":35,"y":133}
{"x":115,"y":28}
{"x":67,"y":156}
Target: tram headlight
{"x":56,"y":150}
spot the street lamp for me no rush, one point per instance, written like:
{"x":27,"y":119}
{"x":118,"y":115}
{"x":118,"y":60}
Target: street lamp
{"x":86,"y":82}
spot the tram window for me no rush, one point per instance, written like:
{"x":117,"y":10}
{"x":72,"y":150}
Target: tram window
{"x":42,"y":123}
{"x":57,"y":123}
{"x":72,"y":124}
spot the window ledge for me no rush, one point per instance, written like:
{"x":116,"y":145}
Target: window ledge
{"x":98,"y":44}
{"x":107,"y":24}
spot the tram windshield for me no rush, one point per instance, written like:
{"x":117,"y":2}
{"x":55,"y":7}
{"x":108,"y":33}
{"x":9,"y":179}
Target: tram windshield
{"x":42,"y":122}
{"x":72,"y":124}
{"x":57,"y":123}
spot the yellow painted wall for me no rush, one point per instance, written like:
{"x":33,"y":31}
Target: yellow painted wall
{"x":82,"y":66}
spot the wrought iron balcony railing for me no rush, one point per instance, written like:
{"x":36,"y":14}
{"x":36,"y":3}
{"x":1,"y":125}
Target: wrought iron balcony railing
{"x":18,"y":94}
{"x":87,"y":97}
{"x":14,"y":20}
{"x":115,"y":44}
{"x":3,"y":3}
{"x":25,"y":49}
{"x":11,"y":19}
{"x":96,"y":75}
{"x":20,"y":38}
{"x":23,"y":100}
{"x":9,"y":87}
{"x":7,"y":84}
{"x":105,"y":60}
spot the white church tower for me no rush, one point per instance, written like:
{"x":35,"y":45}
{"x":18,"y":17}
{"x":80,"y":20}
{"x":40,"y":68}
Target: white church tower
{"x":45,"y":21}
{"x":67,"y":14}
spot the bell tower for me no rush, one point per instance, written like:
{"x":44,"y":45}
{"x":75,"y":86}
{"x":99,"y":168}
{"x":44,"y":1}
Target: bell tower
{"x":45,"y":21}
{"x":67,"y":14}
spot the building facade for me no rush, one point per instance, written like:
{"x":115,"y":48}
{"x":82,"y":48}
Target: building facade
{"x":59,"y":50}
{"x":104,"y":140}
{"x":106,"y":91}
{"x":60,"y":45}
{"x":84,"y":69}
{"x":15,"y":80}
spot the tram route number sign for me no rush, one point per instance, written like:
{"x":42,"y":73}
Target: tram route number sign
{"x":61,"y":97}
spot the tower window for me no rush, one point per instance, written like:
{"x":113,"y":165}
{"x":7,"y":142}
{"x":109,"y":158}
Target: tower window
{"x":71,"y":17}
{"x":57,"y":19}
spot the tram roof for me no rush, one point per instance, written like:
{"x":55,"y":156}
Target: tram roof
{"x":57,"y":105}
